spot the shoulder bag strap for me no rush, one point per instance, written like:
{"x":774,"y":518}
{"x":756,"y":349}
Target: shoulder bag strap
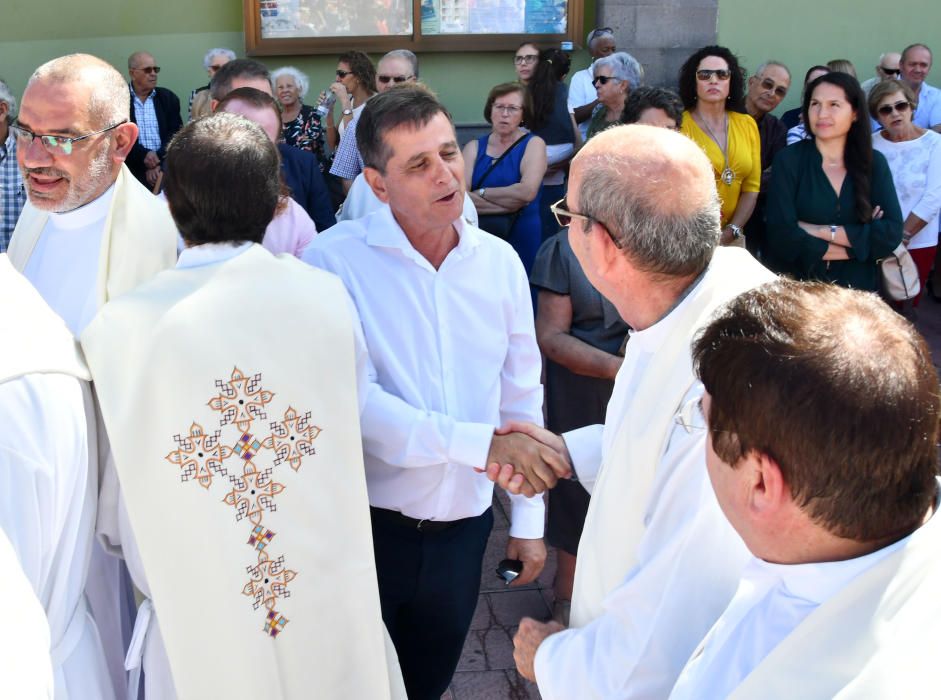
{"x":496,"y":162}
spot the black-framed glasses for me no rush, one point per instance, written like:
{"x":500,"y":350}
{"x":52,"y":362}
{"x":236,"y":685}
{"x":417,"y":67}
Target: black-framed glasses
{"x":890,"y":71}
{"x":343,"y":73}
{"x":603,"y":79}
{"x":397,"y":79}
{"x":521,"y":60}
{"x":564,"y":218}
{"x":149,"y":69}
{"x":56,"y":144}
{"x":900,"y":107}
{"x":705,"y":74}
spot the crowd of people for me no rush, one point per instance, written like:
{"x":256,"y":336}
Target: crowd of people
{"x":266,"y":367}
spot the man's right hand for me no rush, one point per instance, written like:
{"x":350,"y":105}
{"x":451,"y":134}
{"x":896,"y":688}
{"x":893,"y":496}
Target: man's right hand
{"x":151,"y":160}
{"x":526,"y":459}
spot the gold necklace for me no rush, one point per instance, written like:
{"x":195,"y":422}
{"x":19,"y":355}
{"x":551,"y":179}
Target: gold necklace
{"x":728,"y":175}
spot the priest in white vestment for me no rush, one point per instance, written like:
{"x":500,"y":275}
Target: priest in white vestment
{"x":821,"y":414}
{"x":644,"y":224}
{"x":88,"y":233}
{"x":237,"y":492}
{"x":48,"y":485}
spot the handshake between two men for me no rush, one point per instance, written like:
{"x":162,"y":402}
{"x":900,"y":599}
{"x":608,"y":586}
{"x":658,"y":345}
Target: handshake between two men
{"x":526,"y":459}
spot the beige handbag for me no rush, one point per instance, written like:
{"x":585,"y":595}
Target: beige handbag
{"x":899,"y":275}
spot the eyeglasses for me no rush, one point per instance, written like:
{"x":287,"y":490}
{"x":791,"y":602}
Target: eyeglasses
{"x":56,"y":144}
{"x":603,"y":79}
{"x":508,"y":109}
{"x":397,"y":79}
{"x":705,"y":74}
{"x":890,"y":71}
{"x":691,"y":417}
{"x":148,"y":69}
{"x":343,"y":73}
{"x":900,"y":107}
{"x":564,"y":218}
{"x":769,"y":84}
{"x":521,"y":60}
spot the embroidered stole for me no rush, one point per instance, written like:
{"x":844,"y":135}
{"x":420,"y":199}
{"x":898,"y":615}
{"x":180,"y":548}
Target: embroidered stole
{"x":229,"y":395}
{"x":615,"y":523}
{"x":139,"y":238}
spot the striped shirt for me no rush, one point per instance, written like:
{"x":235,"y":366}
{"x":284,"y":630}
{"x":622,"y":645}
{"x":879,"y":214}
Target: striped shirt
{"x":347,"y":162}
{"x":145,"y":116}
{"x":12,"y":191}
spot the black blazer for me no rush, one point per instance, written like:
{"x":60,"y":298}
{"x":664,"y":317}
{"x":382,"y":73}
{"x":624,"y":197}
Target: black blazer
{"x":301,"y":171}
{"x":167,"y":107}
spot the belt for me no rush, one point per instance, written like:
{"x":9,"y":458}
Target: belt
{"x":394,"y":517}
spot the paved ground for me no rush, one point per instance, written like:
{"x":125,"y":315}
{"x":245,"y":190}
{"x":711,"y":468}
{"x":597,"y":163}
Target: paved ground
{"x":487,"y":671}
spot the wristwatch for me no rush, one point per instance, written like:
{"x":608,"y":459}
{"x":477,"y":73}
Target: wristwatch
{"x":347,"y":112}
{"x":736,"y":231}
{"x":482,"y":192}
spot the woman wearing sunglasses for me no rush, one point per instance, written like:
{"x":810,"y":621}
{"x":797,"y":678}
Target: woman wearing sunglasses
{"x":355,"y":83}
{"x":712,"y":88}
{"x":615,"y":76}
{"x":914,"y":157}
{"x":832,"y":209}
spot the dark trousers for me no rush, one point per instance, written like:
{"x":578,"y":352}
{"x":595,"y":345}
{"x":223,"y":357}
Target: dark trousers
{"x":428,"y":588}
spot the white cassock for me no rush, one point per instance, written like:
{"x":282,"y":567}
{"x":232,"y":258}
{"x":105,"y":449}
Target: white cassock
{"x":237,"y":492}
{"x":78,"y":261}
{"x":657,"y":560}
{"x":851,"y":630}
{"x":361,"y":200}
{"x":49,"y":479}
{"x":25,"y":672}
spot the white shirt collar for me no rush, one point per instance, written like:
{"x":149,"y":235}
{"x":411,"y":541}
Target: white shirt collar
{"x":85,"y":215}
{"x":210,"y":253}
{"x":388,"y":234}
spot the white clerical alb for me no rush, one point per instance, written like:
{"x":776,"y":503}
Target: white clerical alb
{"x":65,"y":262}
{"x":428,"y":420}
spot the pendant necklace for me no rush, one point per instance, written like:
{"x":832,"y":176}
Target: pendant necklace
{"x":727,"y":176}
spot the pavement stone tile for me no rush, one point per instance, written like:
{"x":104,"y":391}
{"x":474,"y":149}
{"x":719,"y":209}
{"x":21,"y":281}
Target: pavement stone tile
{"x":511,"y":605}
{"x":492,"y":685}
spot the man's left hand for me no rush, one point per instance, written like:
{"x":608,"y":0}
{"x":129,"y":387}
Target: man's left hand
{"x":151,"y":160}
{"x":533,"y":555}
{"x":151,"y":176}
{"x":526,"y":643}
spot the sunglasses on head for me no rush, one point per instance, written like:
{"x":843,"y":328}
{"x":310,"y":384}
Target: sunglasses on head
{"x":705,"y":74}
{"x":394,"y":78}
{"x":599,"y":30}
{"x":603,"y":79}
{"x":149,"y":69}
{"x":900,"y":107}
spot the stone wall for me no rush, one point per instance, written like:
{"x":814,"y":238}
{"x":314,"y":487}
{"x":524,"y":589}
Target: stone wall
{"x":661,"y":35}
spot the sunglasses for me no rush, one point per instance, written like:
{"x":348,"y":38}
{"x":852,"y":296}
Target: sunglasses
{"x":769,"y":84}
{"x":343,"y":73}
{"x":599,"y":30}
{"x":890,"y":71}
{"x":705,"y":74}
{"x":520,"y":60}
{"x":900,"y":107}
{"x":149,"y":69}
{"x":55,"y":144}
{"x":603,"y":79}
{"x":397,"y":79}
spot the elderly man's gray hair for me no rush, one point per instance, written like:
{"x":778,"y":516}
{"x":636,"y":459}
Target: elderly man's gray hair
{"x":109,"y":102}
{"x":6,"y":95}
{"x":211,"y":53}
{"x":404,"y":54}
{"x":596,"y":34}
{"x":623,"y":67}
{"x":303,"y":84}
{"x":761,"y":69}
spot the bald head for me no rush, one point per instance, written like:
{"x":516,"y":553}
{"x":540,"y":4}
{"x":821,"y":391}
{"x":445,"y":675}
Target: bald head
{"x":654,"y":190}
{"x":108,"y":102}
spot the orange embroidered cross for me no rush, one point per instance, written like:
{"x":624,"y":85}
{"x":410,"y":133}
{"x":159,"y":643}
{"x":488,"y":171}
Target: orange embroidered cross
{"x":252,"y":492}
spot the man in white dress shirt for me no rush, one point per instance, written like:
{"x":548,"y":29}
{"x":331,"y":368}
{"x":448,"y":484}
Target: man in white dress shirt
{"x":825,"y":462}
{"x":89,"y":232}
{"x":644,"y":222}
{"x":448,"y":323}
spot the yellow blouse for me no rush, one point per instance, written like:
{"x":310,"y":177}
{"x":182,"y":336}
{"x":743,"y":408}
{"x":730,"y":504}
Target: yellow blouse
{"x":744,"y":158}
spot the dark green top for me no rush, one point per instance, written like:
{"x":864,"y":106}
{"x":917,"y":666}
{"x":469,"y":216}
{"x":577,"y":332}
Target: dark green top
{"x":800,"y":191}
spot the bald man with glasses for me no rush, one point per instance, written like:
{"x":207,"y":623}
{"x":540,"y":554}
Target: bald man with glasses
{"x":156,"y":111}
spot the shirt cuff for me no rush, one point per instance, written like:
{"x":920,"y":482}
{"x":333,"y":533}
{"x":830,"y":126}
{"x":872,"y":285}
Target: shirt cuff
{"x":470,"y":444}
{"x":583,"y":446}
{"x":543,"y":667}
{"x":527,"y":517}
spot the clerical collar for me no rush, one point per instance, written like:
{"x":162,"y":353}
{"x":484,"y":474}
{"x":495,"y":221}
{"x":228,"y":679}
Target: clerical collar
{"x":210,"y":253}
{"x":86,"y":215}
